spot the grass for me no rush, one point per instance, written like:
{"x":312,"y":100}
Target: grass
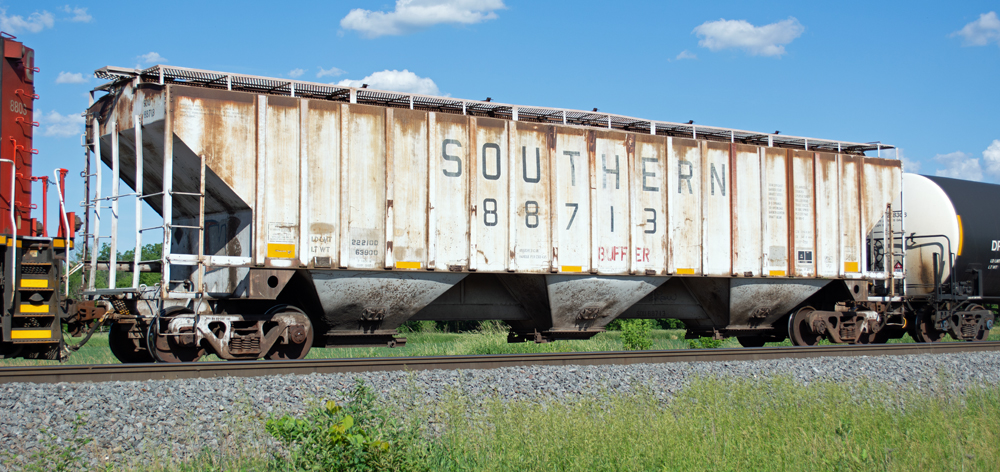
{"x":733,"y":424}
{"x":490,"y":339}
{"x":712,"y":424}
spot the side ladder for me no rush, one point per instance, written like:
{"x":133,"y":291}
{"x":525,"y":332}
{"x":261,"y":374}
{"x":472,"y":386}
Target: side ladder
{"x":96,"y":203}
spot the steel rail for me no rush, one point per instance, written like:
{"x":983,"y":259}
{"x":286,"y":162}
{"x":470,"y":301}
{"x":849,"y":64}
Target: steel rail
{"x":139,"y":372}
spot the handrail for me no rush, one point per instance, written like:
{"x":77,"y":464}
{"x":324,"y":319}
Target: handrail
{"x":13,"y":231}
{"x":45,"y":203}
{"x":62,"y":213}
{"x":21,"y":119}
{"x":951,"y":261}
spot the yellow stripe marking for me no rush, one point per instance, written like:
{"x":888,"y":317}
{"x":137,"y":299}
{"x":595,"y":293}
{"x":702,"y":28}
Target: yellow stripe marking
{"x":59,"y":243}
{"x":26,"y":308}
{"x":31,"y":334}
{"x":851,"y":267}
{"x":34,"y":283}
{"x":685,"y":271}
{"x":572,"y":268}
{"x":961,"y":235}
{"x":407,"y":265}
{"x":776,"y":273}
{"x":3,"y":240}
{"x":281,"y":251}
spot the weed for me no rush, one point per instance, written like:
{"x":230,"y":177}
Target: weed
{"x":359,"y":435}
{"x":635,"y":334}
{"x":704,"y":343}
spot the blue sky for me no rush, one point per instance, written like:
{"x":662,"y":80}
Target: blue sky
{"x":922,"y":76}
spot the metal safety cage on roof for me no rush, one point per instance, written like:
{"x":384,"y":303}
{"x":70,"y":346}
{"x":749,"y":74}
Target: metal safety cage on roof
{"x":444,"y":105}
{"x":161,"y":74}
{"x":379,"y":97}
{"x":321,"y":92}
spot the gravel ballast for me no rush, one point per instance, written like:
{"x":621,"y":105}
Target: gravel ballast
{"x":165,"y":421}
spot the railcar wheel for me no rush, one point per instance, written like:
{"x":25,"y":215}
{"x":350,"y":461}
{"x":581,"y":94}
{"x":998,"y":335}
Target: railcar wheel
{"x":125,"y":349}
{"x":299,"y":335}
{"x":988,"y":325}
{"x":800,"y":330}
{"x":174,"y":347}
{"x":924,"y":330}
{"x":982,"y":335}
{"x":751,"y":341}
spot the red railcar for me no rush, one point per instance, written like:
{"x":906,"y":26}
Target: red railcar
{"x":32,"y":260}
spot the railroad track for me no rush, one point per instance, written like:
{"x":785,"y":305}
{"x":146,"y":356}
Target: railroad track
{"x":126,"y":372}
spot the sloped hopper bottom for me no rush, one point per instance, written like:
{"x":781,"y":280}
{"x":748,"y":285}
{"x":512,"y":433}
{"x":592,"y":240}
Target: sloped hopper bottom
{"x":359,"y":304}
{"x":589,"y":303}
{"x":737,"y":305}
{"x":572,"y":306}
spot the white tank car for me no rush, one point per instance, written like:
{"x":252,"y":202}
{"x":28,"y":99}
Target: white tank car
{"x":952,"y":240}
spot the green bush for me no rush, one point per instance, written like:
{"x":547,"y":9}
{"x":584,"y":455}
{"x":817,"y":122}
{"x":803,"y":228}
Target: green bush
{"x":665,"y":323}
{"x":635,"y":334}
{"x":425,"y":326}
{"x":670,"y":323}
{"x":705,"y":343}
{"x":356,"y":436}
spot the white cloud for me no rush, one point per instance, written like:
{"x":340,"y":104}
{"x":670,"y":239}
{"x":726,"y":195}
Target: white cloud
{"x":767,"y":40}
{"x":34,"y":23}
{"x":79,"y":14}
{"x":685,"y":54}
{"x":399,"y":81}
{"x":296,"y":73}
{"x":152,"y":58}
{"x":414,"y":15}
{"x":70,"y":78}
{"x":332,"y":72}
{"x":981,"y":32}
{"x":991,"y":159}
{"x":62,"y":126}
{"x":959,"y":165}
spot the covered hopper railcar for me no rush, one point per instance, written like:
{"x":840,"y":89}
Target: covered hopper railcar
{"x":298,"y":214}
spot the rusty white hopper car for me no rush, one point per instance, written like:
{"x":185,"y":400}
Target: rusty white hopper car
{"x":298,"y":214}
